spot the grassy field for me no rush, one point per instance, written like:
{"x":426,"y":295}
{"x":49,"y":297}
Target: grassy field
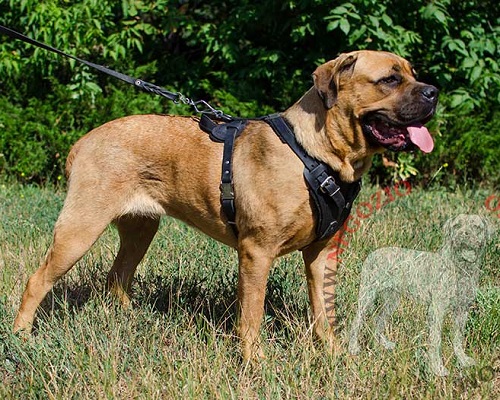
{"x":178,"y":341}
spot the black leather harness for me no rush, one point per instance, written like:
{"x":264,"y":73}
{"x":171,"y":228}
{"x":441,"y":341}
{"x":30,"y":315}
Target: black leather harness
{"x":226,"y":133}
{"x":332,"y":198}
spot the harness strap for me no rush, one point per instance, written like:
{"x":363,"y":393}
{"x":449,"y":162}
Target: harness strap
{"x":333,"y":202}
{"x":229,"y":131}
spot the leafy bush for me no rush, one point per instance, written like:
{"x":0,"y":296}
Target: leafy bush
{"x":36,"y":137}
{"x":247,"y":59}
{"x":470,"y":149}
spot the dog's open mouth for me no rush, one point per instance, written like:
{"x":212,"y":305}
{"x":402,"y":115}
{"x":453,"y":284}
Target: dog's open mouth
{"x":469,"y":255}
{"x":398,"y":137}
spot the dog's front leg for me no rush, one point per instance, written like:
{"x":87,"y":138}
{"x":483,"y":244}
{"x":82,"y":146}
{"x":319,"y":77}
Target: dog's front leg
{"x":436,"y":313}
{"x":460,"y":319}
{"x":254,"y":265}
{"x":321,"y":261}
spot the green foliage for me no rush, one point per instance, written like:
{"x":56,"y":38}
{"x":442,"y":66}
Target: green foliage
{"x":248,"y":59}
{"x":470,"y":149}
{"x":37,"y":136}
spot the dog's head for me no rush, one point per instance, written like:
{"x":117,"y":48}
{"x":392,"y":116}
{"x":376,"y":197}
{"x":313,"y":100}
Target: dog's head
{"x":467,"y":236}
{"x":378,"y":91}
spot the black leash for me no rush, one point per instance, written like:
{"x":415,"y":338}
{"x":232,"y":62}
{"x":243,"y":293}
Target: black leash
{"x":200,"y":106}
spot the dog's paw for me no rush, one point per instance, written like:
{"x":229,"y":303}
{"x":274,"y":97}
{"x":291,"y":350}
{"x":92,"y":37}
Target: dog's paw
{"x":253,"y":354}
{"x":24,"y":335}
{"x":22,"y":328}
{"x":439,"y":370}
{"x":353,"y":348}
{"x":386,"y":343}
{"x":332,"y":343}
{"x":466,"y":361}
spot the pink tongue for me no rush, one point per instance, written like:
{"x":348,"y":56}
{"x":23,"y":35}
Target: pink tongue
{"x":421,"y":137}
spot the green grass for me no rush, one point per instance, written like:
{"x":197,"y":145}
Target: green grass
{"x":178,"y":341}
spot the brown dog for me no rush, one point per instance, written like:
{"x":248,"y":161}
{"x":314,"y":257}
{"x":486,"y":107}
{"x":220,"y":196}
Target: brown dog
{"x":133,"y":170}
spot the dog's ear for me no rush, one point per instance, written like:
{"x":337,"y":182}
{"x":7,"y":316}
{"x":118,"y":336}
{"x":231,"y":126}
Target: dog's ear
{"x":489,"y":227}
{"x":449,"y":227}
{"x":327,"y":77}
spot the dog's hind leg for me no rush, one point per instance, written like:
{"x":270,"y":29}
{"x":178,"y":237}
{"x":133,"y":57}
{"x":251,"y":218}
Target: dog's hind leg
{"x":79,"y":225}
{"x":391,"y":303}
{"x":136,"y":233}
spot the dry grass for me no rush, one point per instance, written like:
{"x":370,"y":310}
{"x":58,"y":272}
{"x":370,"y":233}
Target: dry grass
{"x":178,"y":340}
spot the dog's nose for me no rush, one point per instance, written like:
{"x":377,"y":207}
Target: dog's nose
{"x":430,"y":93}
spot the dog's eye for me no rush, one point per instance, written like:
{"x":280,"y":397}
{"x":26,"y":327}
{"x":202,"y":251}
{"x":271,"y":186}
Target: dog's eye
{"x":391,"y":80}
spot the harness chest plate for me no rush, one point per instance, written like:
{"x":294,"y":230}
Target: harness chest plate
{"x":332,"y":200}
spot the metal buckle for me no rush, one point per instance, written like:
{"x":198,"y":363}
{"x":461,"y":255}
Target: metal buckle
{"x":226,"y":191}
{"x":328,"y":181}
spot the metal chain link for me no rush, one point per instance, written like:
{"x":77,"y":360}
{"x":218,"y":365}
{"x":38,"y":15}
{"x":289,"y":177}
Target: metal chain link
{"x":200,"y":106}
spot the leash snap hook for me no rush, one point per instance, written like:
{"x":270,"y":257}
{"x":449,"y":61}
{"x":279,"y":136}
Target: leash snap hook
{"x":203,"y":107}
{"x":183,"y":99}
